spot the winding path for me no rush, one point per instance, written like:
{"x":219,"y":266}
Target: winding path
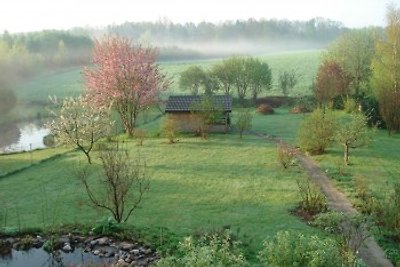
{"x":370,"y":252}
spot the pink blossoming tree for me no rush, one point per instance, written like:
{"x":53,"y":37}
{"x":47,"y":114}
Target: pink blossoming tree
{"x":124,"y":77}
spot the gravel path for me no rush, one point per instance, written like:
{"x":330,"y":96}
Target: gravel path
{"x":370,"y":252}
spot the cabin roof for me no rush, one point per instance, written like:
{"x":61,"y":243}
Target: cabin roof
{"x":186,"y":103}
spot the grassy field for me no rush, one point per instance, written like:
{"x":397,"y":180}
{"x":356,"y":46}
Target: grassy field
{"x":196,"y":186}
{"x":33,"y":96}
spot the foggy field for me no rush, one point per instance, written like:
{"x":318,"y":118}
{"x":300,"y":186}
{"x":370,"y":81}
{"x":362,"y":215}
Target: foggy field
{"x":33,"y":95}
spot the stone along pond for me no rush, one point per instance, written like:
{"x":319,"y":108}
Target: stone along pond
{"x":69,"y":250}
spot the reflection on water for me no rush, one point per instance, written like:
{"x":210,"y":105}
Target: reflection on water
{"x":21,"y":136}
{"x":39,"y":257}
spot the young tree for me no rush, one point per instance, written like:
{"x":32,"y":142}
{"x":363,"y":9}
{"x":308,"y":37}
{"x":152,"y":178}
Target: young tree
{"x":224,"y":74}
{"x":287,"y":81}
{"x":352,"y":133}
{"x":354,"y":51}
{"x":125,"y":77}
{"x":244,"y":121}
{"x":386,"y":72}
{"x":259,"y":76}
{"x":120,"y":186}
{"x":331,"y":82}
{"x":78,"y":123}
{"x":191,"y":79}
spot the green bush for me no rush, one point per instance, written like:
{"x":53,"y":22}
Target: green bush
{"x":350,"y":105}
{"x":107,"y":226}
{"x":210,"y":250}
{"x":317,"y":131}
{"x":389,"y":212}
{"x":297,"y":249}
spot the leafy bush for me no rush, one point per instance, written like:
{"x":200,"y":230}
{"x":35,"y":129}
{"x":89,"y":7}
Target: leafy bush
{"x":296,"y":249}
{"x":170,"y":129}
{"x":210,"y":250}
{"x":350,"y":105}
{"x":265,"y":109}
{"x":317,"y":131}
{"x":285,"y":155}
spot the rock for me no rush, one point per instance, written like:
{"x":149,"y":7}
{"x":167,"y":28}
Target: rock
{"x":96,"y":252}
{"x":87,"y":249}
{"x":67,"y":248}
{"x":93,"y":243}
{"x":126,"y":246}
{"x":135,"y":251}
{"x":147,"y":251}
{"x":133,"y":264}
{"x":102,"y":241}
{"x":121,"y":263}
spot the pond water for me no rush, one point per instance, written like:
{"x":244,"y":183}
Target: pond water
{"x":15,"y":137}
{"x":40,"y":258}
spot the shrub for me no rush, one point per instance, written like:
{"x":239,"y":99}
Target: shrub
{"x":140,"y":135}
{"x":244,"y":121}
{"x":317,"y":131}
{"x":210,"y":250}
{"x":296,"y":249}
{"x":367,"y":203}
{"x":285,"y":155}
{"x":265,"y":109}
{"x":350,"y":105}
{"x":352,"y":228}
{"x":312,"y":200}
{"x":389,"y":213}
{"x":298,"y":109}
{"x":170,"y":129}
{"x":107,"y":226}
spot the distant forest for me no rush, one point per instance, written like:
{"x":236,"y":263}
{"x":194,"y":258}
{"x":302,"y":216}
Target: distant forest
{"x":25,"y":54}
{"x":314,"y":30}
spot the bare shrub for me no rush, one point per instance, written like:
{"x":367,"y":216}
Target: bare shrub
{"x":170,"y":128}
{"x":285,"y":154}
{"x":244,"y":121}
{"x":312,"y":200}
{"x":140,"y":136}
{"x":265,"y":109}
{"x":121,"y":184}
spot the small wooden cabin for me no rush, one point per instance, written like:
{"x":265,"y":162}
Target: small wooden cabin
{"x":184,"y":109}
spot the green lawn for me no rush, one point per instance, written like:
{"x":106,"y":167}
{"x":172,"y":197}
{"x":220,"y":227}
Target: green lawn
{"x":13,"y":162}
{"x":196,"y":185}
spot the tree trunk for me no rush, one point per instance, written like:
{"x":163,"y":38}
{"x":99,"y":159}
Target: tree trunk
{"x":346,"y":154}
{"x":88,"y":157}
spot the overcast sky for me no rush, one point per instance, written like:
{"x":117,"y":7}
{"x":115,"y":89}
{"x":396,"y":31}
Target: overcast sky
{"x":32,"y":15}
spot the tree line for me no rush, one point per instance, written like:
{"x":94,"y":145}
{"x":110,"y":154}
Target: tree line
{"x":361,"y":70}
{"x":317,"y":30}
